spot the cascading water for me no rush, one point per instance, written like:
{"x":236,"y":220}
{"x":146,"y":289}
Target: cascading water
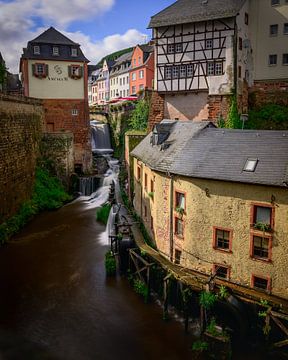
{"x":100,"y":138}
{"x":101,"y":147}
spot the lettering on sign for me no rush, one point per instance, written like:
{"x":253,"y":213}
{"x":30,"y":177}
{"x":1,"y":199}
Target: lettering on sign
{"x":51,"y":78}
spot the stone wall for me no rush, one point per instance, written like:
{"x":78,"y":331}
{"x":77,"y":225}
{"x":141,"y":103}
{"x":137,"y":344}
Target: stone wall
{"x":21,"y":122}
{"x":57,"y":150}
{"x":156,"y":113}
{"x":268,"y":92}
{"x":218,"y":107}
{"x":71,"y":116}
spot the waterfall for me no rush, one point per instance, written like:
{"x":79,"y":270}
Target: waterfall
{"x":88,"y":185}
{"x":100,"y":138}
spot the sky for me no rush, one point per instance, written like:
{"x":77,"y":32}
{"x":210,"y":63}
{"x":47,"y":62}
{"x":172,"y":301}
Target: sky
{"x":99,"y":26}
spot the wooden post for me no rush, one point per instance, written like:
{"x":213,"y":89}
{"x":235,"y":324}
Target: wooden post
{"x":165,"y":295}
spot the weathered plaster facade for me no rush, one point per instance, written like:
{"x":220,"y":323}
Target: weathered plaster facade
{"x":213,"y":204}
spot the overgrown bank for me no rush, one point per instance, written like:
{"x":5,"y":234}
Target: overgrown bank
{"x":48,"y":194}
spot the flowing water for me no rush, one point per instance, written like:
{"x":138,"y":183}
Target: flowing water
{"x":56,"y":302}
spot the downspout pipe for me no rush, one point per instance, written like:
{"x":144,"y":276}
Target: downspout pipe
{"x":171,"y":215}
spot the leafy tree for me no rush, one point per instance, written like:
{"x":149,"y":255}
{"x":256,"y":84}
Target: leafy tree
{"x":139,"y":117}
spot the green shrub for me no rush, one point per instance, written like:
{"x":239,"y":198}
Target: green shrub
{"x":102,"y":213}
{"x":200,"y":346}
{"x":139,"y":116}
{"x":207,"y":299}
{"x":48,"y":194}
{"x":141,"y":288}
{"x":110,"y":264}
{"x":268,"y":117}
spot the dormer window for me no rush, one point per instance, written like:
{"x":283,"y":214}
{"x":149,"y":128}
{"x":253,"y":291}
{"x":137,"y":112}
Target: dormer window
{"x":55,"y":50}
{"x":36,"y":50}
{"x":250,"y":165}
{"x":74,"y":52}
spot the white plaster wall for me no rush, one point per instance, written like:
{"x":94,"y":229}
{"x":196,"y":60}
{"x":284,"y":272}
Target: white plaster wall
{"x":56,"y":85}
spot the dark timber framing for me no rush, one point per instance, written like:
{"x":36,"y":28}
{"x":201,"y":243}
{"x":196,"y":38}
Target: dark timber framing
{"x":174,"y":68}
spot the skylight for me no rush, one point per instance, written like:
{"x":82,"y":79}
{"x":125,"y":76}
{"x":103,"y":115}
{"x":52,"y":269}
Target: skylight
{"x":250,"y":165}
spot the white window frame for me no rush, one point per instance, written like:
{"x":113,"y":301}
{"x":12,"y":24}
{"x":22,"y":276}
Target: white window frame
{"x":74,"y":112}
{"x":36,"y":50}
{"x":178,"y":48}
{"x":168,"y":72}
{"x":190,"y":70}
{"x":55,"y":51}
{"x":182,"y":71}
{"x":74,"y":52}
{"x":175,"y":72}
{"x":209,"y":43}
{"x":170,"y":48}
{"x":270,"y":58}
{"x":134,"y":76}
{"x":141,"y":74}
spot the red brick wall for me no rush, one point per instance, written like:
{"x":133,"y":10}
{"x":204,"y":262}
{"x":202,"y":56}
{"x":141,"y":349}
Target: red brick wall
{"x":218,"y":106}
{"x":156,"y":113}
{"x":264,"y":92}
{"x":58,"y":117}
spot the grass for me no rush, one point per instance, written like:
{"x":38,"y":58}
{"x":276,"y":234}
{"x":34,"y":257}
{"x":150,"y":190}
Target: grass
{"x":102,"y":213}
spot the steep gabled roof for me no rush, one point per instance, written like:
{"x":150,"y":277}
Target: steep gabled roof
{"x":187,"y":11}
{"x":53,"y":36}
{"x":220,"y":154}
{"x":179,"y":133}
{"x":49,"y":38}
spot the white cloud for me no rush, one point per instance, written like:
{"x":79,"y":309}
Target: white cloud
{"x":63,"y":12}
{"x":94,"y":51}
{"x":17,"y":26}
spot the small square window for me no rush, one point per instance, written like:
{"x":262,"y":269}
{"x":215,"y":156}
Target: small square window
{"x":240,"y":43}
{"x":74,"y":52}
{"x":285,"y":29}
{"x":175,"y":72}
{"x":274,"y":30}
{"x":182,"y":71}
{"x":55,"y":50}
{"x":222,"y":239}
{"x":179,"y":200}
{"x":178,"y":48}
{"x":250,"y":165}
{"x":209,"y":44}
{"x":179,"y":227}
{"x":210,"y":68}
{"x":260,"y":247}
{"x":168,"y":72}
{"x":36,"y":50}
{"x":273,"y":60}
{"x":145,"y":181}
{"x":138,"y":173}
{"x":170,"y":48}
{"x":221,"y":271}
{"x":74,"y":112}
{"x":260,"y":283}
{"x":246,"y":19}
{"x":285,"y":59}
{"x":177,"y":257}
{"x":262,"y":218}
{"x":190,"y":70}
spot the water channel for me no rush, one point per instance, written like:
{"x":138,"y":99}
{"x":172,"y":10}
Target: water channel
{"x":56,"y":302}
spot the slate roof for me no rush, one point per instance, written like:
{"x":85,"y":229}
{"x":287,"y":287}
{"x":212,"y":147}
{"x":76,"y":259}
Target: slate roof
{"x":180,"y":133}
{"x":187,"y":11}
{"x":53,"y":36}
{"x":49,"y":38}
{"x":116,"y":68}
{"x":221,"y":154}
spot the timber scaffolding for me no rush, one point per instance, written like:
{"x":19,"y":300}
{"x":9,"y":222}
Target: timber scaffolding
{"x":200,"y":281}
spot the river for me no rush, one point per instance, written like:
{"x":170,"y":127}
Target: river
{"x":56,"y":302}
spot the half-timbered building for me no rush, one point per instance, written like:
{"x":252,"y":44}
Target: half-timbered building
{"x":209,"y":50}
{"x":195,"y":44}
